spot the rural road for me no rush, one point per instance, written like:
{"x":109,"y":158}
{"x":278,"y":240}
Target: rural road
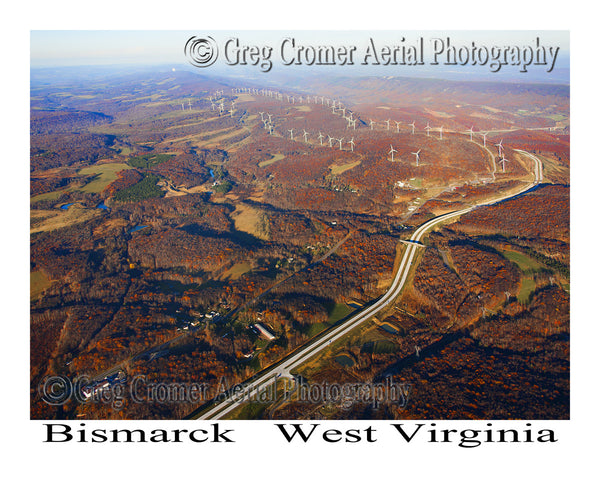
{"x":293,"y":360}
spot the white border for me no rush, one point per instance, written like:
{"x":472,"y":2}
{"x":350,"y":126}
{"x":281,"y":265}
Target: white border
{"x":260,"y":455}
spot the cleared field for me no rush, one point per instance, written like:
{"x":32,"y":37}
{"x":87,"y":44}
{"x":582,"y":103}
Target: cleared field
{"x":245,"y":97}
{"x":38,"y":283}
{"x":236,"y":271}
{"x":524,"y":262}
{"x":251,"y":220}
{"x":47,"y":220}
{"x":276,"y":158}
{"x":338,"y":169}
{"x":527,"y":286}
{"x":107,"y":173}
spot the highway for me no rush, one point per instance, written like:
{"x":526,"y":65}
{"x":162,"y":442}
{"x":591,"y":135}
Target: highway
{"x":298,"y":357}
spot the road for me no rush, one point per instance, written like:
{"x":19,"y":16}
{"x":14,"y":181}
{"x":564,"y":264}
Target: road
{"x":298,"y":357}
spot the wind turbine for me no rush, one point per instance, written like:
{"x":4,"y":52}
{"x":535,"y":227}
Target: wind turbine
{"x":333,"y":108}
{"x":413,"y":127}
{"x":500,"y":148}
{"x":269,"y":115}
{"x":392,"y":151}
{"x":397,"y":126}
{"x":351,"y":142}
{"x":291,"y":130}
{"x":340,"y":140}
{"x":388,"y":123}
{"x":484,"y":137}
{"x":182,"y":107}
{"x":471,"y":132}
{"x":416,"y":154}
{"x":427,"y":128}
{"x":371,"y":123}
{"x":441,"y":130}
{"x":330,"y":139}
{"x":261,"y":116}
{"x":305,"y":134}
{"x":190,"y":103}
{"x":503,"y":162}
{"x":320,"y":137}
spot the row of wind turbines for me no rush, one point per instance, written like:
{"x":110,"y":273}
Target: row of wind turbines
{"x":338,"y":108}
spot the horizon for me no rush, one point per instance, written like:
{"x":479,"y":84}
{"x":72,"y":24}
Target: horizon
{"x":143,"y":49}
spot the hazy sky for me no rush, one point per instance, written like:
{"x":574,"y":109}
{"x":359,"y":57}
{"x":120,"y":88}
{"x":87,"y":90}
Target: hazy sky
{"x":62,"y":48}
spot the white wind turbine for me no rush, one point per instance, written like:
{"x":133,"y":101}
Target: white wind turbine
{"x":388,"y":123}
{"x":351,"y":142}
{"x":500,"y":148}
{"x":291,"y":130}
{"x":416,"y":154}
{"x":503,"y":161}
{"x":484,"y":137}
{"x":330,"y":139}
{"x":305,"y":135}
{"x":427,"y":128}
{"x":371,"y":123}
{"x":397,"y":126}
{"x":441,"y":131}
{"x":340,"y":140}
{"x":262,"y":116}
{"x":413,"y":127}
{"x":321,"y":136}
{"x":470,"y":131}
{"x":392,"y":151}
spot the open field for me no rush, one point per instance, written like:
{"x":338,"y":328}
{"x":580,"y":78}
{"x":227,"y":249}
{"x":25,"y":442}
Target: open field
{"x":276,"y":158}
{"x":235,"y":272}
{"x":47,"y":220}
{"x":107,"y":173}
{"x":38,"y":283}
{"x":250,"y":220}
{"x":339,"y":169}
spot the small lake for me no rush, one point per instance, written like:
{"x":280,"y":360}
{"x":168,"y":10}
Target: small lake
{"x":345,"y":360}
{"x":102,"y":206}
{"x":66,"y":206}
{"x":212,"y":174}
{"x":388,"y":328}
{"x":138,"y":228}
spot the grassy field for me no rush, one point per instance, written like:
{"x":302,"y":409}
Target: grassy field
{"x":339,"y":311}
{"x":524,"y":262}
{"x":106,"y":172}
{"x":250,"y":220}
{"x":236,"y":271}
{"x":38,"y":282}
{"x":527,"y":286}
{"x":47,"y":220}
{"x":338,"y":169}
{"x":276,"y":158}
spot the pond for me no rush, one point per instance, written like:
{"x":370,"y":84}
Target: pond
{"x":345,"y":360}
{"x":102,"y":206}
{"x":66,"y":206}
{"x":137,"y":229}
